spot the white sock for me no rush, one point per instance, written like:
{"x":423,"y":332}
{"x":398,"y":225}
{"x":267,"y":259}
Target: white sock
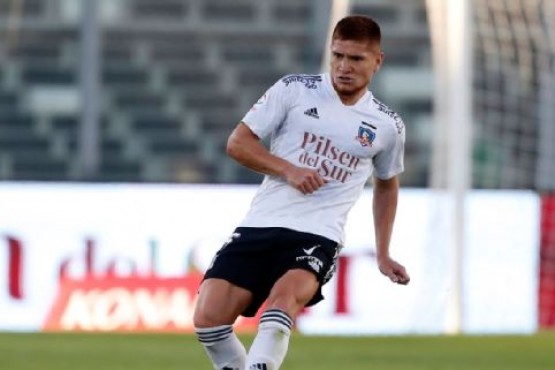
{"x":270,"y":344}
{"x":223,"y":347}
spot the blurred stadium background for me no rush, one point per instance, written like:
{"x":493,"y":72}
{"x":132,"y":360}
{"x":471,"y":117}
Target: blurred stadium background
{"x":174,"y":77}
{"x":145,"y":92}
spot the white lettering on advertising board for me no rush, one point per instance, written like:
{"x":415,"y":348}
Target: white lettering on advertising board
{"x":59,"y":230}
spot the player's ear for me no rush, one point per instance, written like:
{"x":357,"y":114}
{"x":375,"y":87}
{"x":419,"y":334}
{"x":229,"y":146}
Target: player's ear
{"x":379,"y":62}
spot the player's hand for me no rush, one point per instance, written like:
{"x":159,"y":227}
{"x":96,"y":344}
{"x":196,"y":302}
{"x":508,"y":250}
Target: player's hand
{"x":393,"y":270}
{"x":306,"y":180}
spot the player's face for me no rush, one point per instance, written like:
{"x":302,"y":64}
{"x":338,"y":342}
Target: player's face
{"x":353,"y":64}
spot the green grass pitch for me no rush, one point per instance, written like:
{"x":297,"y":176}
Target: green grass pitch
{"x":181,"y":352}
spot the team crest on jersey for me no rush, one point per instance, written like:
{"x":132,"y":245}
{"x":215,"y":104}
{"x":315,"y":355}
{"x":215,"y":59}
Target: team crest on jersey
{"x":365,"y":135}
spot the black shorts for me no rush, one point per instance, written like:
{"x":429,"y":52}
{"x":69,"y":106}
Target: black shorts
{"x":255,"y":258}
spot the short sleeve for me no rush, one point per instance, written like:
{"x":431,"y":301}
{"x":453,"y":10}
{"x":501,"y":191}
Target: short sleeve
{"x":389,"y":162}
{"x":270,"y":110}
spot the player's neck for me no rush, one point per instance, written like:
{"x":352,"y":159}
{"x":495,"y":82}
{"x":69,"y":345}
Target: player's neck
{"x":350,"y":98}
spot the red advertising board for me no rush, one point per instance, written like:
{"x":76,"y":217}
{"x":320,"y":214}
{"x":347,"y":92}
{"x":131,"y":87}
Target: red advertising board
{"x":547,"y":263}
{"x":130,"y":304}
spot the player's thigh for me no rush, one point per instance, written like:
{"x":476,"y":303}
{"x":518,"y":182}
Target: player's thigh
{"x":219,"y":303}
{"x":293,"y":291}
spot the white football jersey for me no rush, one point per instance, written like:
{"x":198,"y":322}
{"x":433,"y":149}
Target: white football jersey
{"x":308,"y":125}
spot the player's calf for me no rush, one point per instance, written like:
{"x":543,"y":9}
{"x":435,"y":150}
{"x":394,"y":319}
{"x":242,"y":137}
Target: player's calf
{"x":272,"y":341}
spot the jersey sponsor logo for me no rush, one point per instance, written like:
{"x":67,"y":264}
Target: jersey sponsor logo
{"x":312,"y":112}
{"x":310,"y":250}
{"x":329,"y":160}
{"x":365,"y":135}
{"x":309,"y":81}
{"x":399,"y":124}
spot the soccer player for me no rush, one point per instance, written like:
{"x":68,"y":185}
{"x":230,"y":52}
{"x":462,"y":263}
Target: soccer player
{"x":327,"y":134}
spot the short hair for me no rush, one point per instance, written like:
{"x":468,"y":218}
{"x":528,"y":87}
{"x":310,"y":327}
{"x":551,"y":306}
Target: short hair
{"x":358,"y":28}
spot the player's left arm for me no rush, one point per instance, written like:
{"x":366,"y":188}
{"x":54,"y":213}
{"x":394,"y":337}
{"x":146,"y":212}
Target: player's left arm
{"x":384,"y":209}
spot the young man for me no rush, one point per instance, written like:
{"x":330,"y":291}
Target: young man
{"x":328,"y":135}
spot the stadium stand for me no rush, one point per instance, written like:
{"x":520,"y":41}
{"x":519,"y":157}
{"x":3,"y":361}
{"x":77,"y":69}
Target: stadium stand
{"x":177,"y":75}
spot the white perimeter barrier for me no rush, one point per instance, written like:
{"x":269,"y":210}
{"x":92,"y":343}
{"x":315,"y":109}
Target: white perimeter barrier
{"x":166,"y":230}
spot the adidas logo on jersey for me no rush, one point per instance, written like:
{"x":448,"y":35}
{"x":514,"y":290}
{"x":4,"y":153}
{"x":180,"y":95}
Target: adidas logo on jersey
{"x":312,"y":112}
{"x":258,"y":367}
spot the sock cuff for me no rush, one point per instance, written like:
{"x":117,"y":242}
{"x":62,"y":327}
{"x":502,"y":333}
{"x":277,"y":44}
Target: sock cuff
{"x":276,"y":317}
{"x":215,"y":334}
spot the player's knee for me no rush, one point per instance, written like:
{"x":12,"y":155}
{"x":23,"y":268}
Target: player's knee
{"x":205,"y":317}
{"x":286,"y":301}
{"x":201,"y":320}
{"x":286,"y":304}
{"x":293,"y":291}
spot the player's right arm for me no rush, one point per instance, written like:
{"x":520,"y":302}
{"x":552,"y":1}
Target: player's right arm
{"x":245,"y":147}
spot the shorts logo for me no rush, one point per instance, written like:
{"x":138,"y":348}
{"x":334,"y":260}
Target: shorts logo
{"x":310,"y":250}
{"x":315,"y":263}
{"x":333,"y":266}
